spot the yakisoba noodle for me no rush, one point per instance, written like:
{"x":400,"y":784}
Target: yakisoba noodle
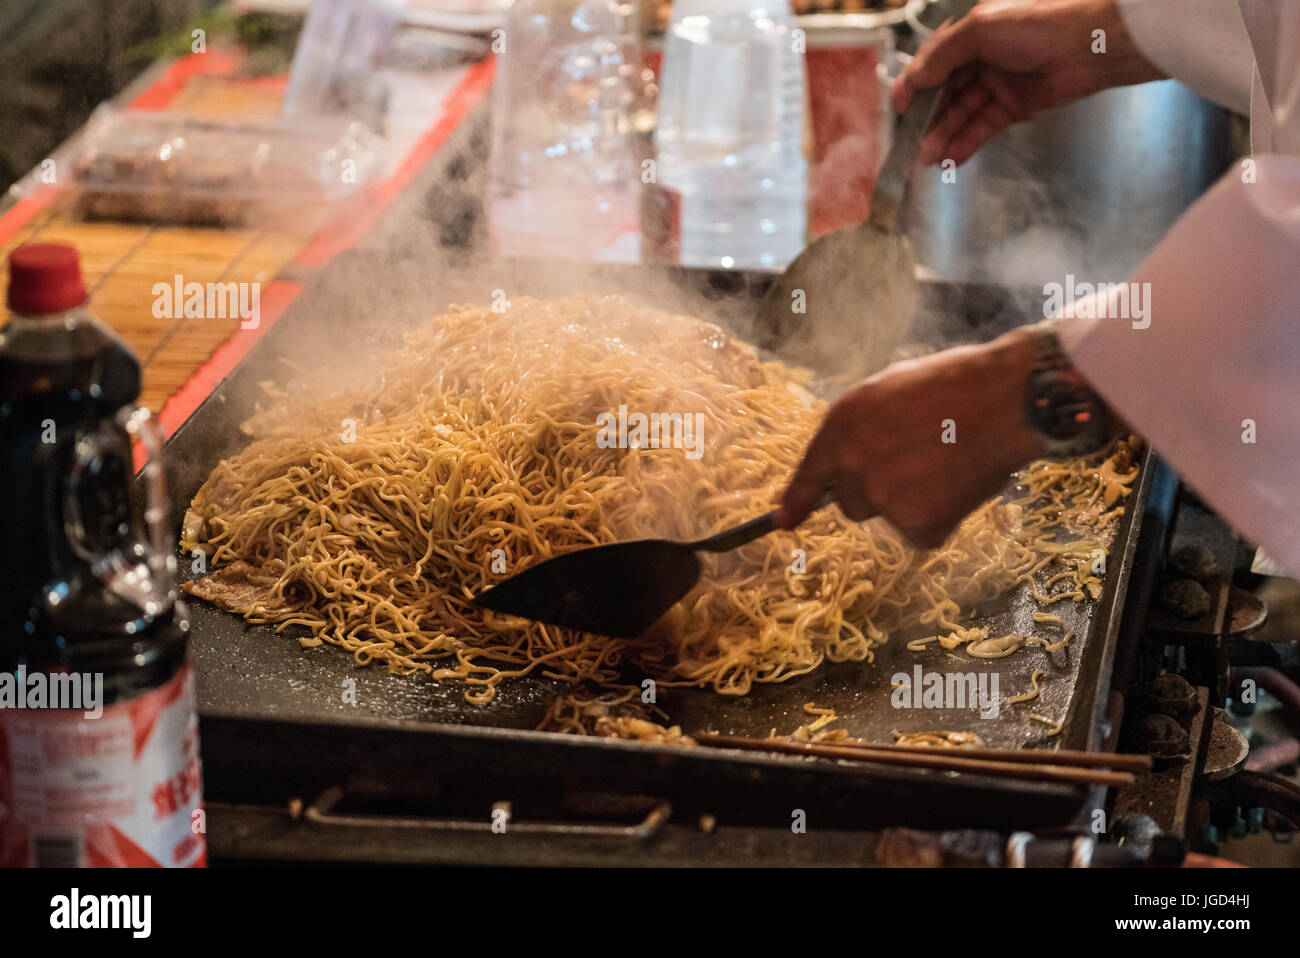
{"x":372,"y":516}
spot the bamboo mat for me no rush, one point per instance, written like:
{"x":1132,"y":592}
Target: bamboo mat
{"x":123,"y":261}
{"x":216,"y":96}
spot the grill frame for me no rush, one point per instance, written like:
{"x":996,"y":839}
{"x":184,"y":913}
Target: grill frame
{"x":273,"y":725}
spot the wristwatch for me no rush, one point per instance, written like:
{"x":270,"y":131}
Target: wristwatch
{"x":1068,"y":417}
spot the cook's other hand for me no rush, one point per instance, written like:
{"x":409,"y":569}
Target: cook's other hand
{"x":923,"y":442}
{"x":1010,"y":59}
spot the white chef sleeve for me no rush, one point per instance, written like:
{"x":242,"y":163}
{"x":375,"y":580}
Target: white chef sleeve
{"x":1202,"y":43}
{"x":1213,"y":380}
{"x":1274,"y":28}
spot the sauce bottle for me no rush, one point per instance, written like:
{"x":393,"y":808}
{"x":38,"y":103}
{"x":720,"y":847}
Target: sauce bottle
{"x":99,"y":760}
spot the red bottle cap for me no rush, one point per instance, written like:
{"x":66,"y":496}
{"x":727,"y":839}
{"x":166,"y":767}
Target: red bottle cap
{"x":45,"y":278}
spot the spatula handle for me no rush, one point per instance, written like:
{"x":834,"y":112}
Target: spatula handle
{"x":891,"y":182}
{"x":751,"y":530}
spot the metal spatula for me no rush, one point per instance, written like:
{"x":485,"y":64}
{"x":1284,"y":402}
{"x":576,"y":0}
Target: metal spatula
{"x":618,"y":589}
{"x":840,"y":308}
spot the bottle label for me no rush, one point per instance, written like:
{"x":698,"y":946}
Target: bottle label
{"x":122,"y":790}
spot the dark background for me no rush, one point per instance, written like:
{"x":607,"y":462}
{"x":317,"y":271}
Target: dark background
{"x":59,"y":59}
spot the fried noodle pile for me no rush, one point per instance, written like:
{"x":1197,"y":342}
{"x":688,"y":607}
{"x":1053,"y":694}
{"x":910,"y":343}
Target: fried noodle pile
{"x":371,"y":516}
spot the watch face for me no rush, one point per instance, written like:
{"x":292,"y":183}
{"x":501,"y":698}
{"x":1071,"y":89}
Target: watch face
{"x":1060,"y":409}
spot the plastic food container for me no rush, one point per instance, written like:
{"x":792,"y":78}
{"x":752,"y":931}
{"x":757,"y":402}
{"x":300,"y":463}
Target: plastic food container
{"x":165,"y":167}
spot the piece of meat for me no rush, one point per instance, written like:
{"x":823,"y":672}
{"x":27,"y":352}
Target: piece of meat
{"x":238,"y":587}
{"x":192,"y":529}
{"x":997,"y":648}
{"x":640,"y":730}
{"x":937,"y":739}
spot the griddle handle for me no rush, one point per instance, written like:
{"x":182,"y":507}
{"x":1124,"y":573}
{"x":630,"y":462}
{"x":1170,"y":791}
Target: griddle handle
{"x":323,"y":811}
{"x":751,"y":530}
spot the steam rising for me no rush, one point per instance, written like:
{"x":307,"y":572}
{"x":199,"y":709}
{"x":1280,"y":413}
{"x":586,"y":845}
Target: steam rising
{"x":1038,"y":202}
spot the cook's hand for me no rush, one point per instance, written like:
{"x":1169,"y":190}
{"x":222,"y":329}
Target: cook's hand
{"x":882,"y":444}
{"x":1009,"y":59}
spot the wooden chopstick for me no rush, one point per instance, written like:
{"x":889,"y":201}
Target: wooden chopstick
{"x":1061,"y":756}
{"x":938,"y":759}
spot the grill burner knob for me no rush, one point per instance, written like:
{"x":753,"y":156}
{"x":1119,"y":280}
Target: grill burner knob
{"x":1164,"y":737}
{"x":1171,"y":694}
{"x":1194,"y":561}
{"x":1185,"y":598}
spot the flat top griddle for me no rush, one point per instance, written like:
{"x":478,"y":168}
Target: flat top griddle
{"x":249,"y":675}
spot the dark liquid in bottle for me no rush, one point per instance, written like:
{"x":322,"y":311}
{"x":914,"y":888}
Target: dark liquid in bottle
{"x":65,"y":504}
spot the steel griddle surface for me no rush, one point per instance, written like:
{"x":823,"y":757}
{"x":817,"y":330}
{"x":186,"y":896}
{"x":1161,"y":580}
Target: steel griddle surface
{"x":252,"y":672}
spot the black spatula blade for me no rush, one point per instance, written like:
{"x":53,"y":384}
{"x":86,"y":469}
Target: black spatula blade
{"x":617,"y":590}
